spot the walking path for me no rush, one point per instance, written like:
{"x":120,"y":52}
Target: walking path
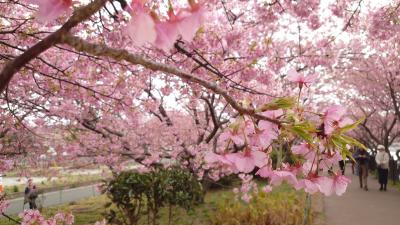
{"x":359,"y":207}
{"x":54,"y":198}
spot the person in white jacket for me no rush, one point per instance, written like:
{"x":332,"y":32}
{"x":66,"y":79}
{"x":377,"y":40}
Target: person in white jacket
{"x":382,"y":162}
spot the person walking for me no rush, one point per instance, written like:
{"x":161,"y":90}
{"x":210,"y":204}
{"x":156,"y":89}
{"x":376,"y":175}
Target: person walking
{"x":342,"y":166}
{"x":31,"y":194}
{"x":361,"y":157}
{"x":382,"y":162}
{"x":353,"y":164}
{"x":27,"y":190}
{"x":32,"y":197}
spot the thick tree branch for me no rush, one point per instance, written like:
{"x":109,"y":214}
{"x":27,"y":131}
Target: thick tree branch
{"x":121,"y":54}
{"x":15,"y":65}
{"x":396,"y":104}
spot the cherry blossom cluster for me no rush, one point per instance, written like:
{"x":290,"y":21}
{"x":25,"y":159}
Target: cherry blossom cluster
{"x":317,"y":142}
{"x":247,"y":189}
{"x":6,"y":165}
{"x":3,"y":204}
{"x":145,"y":25}
{"x":30,"y":217}
{"x":102,"y":222}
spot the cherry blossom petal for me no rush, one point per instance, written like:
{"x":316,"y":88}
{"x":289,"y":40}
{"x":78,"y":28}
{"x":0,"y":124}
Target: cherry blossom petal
{"x":309,"y":186}
{"x":294,"y":76}
{"x":345,"y":121}
{"x":51,"y":9}
{"x":244,"y":164}
{"x":211,"y":157}
{"x":167,"y":34}
{"x":267,"y":188}
{"x":259,"y":158}
{"x":190,"y":23}
{"x":310,"y":78}
{"x":264,"y":171}
{"x":141,"y":29}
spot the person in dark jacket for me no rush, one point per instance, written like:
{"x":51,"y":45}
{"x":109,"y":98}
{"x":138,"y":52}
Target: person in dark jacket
{"x":31,"y":194}
{"x":362,"y":156}
{"x":342,"y":166}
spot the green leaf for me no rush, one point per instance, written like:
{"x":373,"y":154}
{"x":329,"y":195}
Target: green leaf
{"x":279,"y":103}
{"x":351,"y":126}
{"x":340,"y":142}
{"x":353,"y":142}
{"x":303,"y":130}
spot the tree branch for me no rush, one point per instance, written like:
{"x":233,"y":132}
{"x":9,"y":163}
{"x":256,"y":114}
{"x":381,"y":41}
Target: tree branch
{"x":121,"y":54}
{"x":15,"y":65}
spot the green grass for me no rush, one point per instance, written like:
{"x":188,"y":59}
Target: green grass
{"x":90,"y":210}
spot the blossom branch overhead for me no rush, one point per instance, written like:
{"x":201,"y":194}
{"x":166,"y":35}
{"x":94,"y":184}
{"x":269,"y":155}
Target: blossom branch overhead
{"x":119,"y":54}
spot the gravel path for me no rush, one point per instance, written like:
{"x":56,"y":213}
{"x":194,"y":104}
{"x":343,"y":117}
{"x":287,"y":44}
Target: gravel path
{"x":359,"y":207}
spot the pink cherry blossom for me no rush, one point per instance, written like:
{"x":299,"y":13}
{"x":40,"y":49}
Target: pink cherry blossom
{"x":246,"y":197}
{"x":264,"y":136}
{"x":273,"y":114}
{"x":189,"y":21}
{"x":337,"y":184}
{"x":234,"y":136}
{"x":211,"y":157}
{"x":167,"y":34}
{"x":277,"y":176}
{"x":314,"y":22}
{"x":310,"y":186}
{"x":51,"y":9}
{"x":141,"y":27}
{"x":267,"y":188}
{"x":303,"y":149}
{"x":3,"y":205}
{"x":267,"y":131}
{"x":102,"y":222}
{"x":296,"y":77}
{"x":30,"y":216}
{"x":328,"y":160}
{"x":247,"y":160}
{"x":67,"y":219}
{"x":334,"y":117}
{"x":310,"y":167}
{"x":6,"y":165}
{"x":184,"y":24}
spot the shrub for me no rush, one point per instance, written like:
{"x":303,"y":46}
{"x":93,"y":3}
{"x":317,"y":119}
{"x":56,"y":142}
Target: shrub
{"x":136,"y":194}
{"x":276,"y":208}
{"x":15,"y":189}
